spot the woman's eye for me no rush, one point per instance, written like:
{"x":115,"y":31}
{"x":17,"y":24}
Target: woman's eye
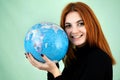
{"x":81,"y":24}
{"x":67,"y":26}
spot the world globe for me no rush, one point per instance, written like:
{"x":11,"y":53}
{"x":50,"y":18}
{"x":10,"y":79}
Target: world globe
{"x":48,"y":39}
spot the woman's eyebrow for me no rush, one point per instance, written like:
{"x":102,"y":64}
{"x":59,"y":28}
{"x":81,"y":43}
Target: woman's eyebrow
{"x":67,"y":23}
{"x":79,"y":21}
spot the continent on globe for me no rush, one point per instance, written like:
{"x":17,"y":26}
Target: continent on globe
{"x":46,"y":38}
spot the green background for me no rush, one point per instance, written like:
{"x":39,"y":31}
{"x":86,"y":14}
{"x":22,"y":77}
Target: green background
{"x":17,"y":16}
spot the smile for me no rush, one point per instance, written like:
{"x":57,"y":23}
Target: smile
{"x":76,"y":36}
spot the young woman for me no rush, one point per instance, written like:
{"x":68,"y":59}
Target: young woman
{"x":89,"y":56}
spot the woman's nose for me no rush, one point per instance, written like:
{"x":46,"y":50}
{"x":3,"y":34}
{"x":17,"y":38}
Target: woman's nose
{"x":74,"y":30}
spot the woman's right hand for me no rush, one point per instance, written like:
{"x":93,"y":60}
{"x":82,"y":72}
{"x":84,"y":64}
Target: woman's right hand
{"x":49,"y":65}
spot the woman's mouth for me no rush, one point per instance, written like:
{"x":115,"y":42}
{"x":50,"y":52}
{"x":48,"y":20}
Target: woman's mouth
{"x":76,"y":36}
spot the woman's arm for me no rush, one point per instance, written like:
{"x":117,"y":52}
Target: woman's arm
{"x":50,"y":75}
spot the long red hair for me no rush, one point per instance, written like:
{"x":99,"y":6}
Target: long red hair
{"x":95,"y":36}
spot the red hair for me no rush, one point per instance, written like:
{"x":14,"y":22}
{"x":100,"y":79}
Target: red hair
{"x":95,"y":36}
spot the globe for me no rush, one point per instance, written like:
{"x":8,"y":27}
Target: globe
{"x":48,"y":39}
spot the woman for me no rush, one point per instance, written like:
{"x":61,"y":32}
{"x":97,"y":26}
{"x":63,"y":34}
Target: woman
{"x":89,"y":56}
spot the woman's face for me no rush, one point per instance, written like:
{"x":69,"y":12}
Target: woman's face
{"x":75,"y":28}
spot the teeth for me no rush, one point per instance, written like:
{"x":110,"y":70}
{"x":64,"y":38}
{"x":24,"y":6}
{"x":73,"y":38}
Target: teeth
{"x":77,"y":36}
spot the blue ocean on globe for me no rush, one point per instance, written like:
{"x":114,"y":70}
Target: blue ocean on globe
{"x":46,"y":38}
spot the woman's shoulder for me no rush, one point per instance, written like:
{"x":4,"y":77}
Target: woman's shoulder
{"x":98,"y":55}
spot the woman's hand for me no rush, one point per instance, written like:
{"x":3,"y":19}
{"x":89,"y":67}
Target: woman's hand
{"x":49,"y":65}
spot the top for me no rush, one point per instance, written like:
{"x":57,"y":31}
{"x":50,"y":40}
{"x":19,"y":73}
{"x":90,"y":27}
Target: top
{"x":91,"y":64}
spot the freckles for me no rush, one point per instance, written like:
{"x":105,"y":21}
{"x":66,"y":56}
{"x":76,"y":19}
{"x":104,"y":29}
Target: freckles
{"x":68,"y":33}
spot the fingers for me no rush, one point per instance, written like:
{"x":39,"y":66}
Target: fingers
{"x":47,"y":66}
{"x":30,"y":57}
{"x":32,"y":60}
{"x":45,"y":58}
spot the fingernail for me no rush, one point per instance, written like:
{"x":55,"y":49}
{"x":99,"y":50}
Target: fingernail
{"x":25,"y":53}
{"x":42,"y":55}
{"x":26,"y":56}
